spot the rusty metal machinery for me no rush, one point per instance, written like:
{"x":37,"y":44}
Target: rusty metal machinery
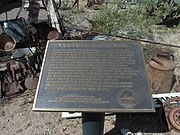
{"x":22,"y":58}
{"x":174,"y":118}
{"x":170,"y":114}
{"x":160,"y":71}
{"x":16,"y":76}
{"x":24,"y":43}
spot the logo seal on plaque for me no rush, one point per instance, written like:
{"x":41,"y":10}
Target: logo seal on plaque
{"x":127,"y":98}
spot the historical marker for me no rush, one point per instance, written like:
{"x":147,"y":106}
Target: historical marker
{"x":93,"y":76}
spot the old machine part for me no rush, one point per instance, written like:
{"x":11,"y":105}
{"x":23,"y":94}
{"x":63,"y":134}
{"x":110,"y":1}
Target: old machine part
{"x":174,"y":118}
{"x":170,"y":114}
{"x":13,"y":87}
{"x":33,"y":9}
{"x":55,"y":17}
{"x":52,"y":33}
{"x":160,"y":71}
{"x":11,"y":79}
{"x":20,"y":71}
{"x":46,"y":32}
{"x":7,"y":42}
{"x":17,"y":29}
{"x":32,"y":77}
{"x":18,"y":75}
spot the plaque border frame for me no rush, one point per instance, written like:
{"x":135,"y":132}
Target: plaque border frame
{"x":110,"y":110}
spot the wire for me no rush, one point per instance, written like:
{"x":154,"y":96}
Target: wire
{"x":129,"y":38}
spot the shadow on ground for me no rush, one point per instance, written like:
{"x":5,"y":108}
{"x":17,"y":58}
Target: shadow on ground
{"x":7,"y":6}
{"x":135,"y":122}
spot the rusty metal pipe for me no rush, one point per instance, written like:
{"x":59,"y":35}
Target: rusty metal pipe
{"x":49,"y":33}
{"x":7,"y":43}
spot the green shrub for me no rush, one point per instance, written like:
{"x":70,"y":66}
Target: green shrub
{"x":137,"y":20}
{"x":127,"y":23}
{"x":161,"y":11}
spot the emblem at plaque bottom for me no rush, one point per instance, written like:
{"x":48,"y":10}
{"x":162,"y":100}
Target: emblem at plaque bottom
{"x":127,"y":98}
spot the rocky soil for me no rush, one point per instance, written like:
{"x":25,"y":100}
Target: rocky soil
{"x":17,"y":118}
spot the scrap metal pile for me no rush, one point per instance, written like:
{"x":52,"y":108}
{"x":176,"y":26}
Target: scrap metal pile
{"x":169,"y":114}
{"x":22,"y":54}
{"x":22,"y":45}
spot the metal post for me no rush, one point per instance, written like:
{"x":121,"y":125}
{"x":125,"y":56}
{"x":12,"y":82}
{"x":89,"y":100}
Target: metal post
{"x":93,"y":123}
{"x":53,"y":16}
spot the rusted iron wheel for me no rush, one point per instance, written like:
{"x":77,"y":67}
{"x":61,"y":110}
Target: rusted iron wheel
{"x":174,"y":118}
{"x":165,"y":109}
{"x":171,"y":103}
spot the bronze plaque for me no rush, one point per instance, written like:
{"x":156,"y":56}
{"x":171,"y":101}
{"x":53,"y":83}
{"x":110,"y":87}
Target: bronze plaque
{"x":93,"y":76}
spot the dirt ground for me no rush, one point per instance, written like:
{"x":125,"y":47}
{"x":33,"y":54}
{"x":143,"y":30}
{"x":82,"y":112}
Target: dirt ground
{"x":17,"y":117}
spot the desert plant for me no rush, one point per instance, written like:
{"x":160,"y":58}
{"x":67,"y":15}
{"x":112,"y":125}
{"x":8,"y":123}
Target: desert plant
{"x":161,"y":11}
{"x":77,"y":10}
{"x":127,"y":23}
{"x":137,"y":20}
